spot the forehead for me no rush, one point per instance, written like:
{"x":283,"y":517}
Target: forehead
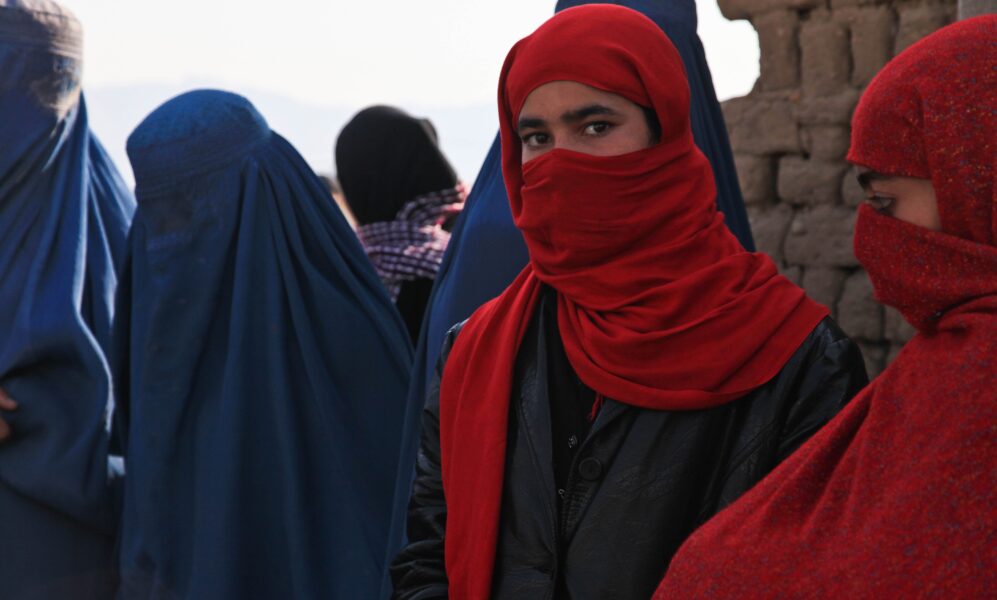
{"x":560,"y":96}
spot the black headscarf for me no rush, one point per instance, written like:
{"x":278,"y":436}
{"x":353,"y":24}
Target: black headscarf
{"x":385,"y":158}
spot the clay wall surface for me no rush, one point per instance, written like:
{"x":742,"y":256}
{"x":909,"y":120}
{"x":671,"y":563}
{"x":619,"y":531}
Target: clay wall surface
{"x":791,"y":133}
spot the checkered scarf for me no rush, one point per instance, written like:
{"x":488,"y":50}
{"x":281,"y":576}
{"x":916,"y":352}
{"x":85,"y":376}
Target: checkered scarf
{"x":411,"y":247}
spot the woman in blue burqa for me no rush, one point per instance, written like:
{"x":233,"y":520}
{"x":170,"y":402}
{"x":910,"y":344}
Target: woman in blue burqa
{"x":486,"y":251}
{"x":64,"y":217}
{"x":263,"y":370}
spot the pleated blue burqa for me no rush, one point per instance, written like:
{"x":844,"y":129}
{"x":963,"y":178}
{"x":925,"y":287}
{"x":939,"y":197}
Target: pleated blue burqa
{"x":486,"y":251}
{"x":64,"y":217}
{"x":263,"y":370}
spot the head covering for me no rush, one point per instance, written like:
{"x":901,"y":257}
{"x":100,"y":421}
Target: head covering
{"x":659,"y":306}
{"x":486,"y":251}
{"x":405,"y":196}
{"x":64,"y":215}
{"x":894,"y":497}
{"x":263,"y":370}
{"x":912,"y":122}
{"x":385,"y":158}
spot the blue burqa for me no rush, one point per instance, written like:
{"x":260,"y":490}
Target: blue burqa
{"x":486,"y":251}
{"x":64,"y":216}
{"x":263,"y":370}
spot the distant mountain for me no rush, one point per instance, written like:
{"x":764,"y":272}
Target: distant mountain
{"x":465,"y":132}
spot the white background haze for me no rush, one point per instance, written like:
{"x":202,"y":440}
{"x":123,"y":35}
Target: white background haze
{"x":308,"y":65}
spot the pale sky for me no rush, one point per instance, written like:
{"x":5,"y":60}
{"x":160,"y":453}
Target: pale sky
{"x":333,"y":57}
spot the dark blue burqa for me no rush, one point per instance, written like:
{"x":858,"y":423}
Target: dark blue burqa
{"x":263,"y":370}
{"x":64,"y":216}
{"x":486,"y":250}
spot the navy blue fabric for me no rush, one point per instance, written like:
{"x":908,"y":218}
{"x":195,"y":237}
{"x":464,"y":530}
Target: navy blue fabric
{"x":64,"y":217}
{"x":263,"y":370}
{"x":486,"y":250}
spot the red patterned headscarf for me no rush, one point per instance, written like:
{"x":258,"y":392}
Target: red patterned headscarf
{"x":659,"y":306}
{"x":895,"y":497}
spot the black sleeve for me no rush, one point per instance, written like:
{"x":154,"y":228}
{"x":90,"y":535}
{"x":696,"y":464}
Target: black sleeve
{"x":419,"y":571}
{"x":817,"y":382}
{"x":835,"y":373}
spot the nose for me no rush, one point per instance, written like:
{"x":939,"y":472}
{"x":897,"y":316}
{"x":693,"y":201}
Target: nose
{"x":568,"y":143}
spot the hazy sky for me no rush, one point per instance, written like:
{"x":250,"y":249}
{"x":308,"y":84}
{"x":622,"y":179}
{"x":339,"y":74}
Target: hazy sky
{"x":339,"y":56}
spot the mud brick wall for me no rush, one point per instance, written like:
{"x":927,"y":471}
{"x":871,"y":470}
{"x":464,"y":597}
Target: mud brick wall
{"x":791,"y":133}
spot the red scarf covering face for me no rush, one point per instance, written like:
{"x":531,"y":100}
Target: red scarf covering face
{"x":896,"y":496}
{"x":658,"y":304}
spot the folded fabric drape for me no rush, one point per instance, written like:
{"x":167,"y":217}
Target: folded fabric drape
{"x":895,"y":496}
{"x":64,"y":216}
{"x":486,"y":251}
{"x":262,"y":370}
{"x":659,"y":305}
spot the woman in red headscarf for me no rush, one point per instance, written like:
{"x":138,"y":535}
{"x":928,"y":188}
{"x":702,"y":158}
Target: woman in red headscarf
{"x":895,"y":497}
{"x":643,"y":370}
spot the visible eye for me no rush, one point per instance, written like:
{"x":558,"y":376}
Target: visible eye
{"x":881,"y":204}
{"x":597,"y":128}
{"x":535,"y":140}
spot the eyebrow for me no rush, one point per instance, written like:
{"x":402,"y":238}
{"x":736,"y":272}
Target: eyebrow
{"x":572,"y":116}
{"x":867,"y":177}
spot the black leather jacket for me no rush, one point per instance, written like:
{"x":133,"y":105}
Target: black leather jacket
{"x":640,"y":483}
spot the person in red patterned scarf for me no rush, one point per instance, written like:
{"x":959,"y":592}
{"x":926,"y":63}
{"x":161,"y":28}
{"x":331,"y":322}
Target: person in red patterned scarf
{"x":641,"y":372}
{"x":404,"y":195}
{"x":895,"y":497}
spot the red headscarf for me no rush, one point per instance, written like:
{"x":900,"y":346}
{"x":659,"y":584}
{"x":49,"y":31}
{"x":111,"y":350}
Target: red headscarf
{"x":896,"y":496}
{"x":658,"y":304}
